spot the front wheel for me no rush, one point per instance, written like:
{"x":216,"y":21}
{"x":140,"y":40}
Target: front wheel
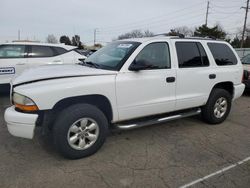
{"x":80,"y":130}
{"x":218,"y":106}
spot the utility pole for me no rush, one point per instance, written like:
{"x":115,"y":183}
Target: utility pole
{"x":19,"y":34}
{"x":245,"y":23}
{"x":95,"y":31}
{"x":207,"y":13}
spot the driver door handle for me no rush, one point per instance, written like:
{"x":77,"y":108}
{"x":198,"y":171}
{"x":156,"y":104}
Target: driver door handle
{"x":170,"y":79}
{"x":20,"y":63}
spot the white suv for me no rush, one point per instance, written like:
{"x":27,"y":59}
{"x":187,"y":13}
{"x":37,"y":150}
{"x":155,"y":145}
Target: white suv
{"x":17,"y":56}
{"x":126,"y":84}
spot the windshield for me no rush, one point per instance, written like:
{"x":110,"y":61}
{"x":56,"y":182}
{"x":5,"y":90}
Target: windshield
{"x":113,"y":56}
{"x":246,"y":59}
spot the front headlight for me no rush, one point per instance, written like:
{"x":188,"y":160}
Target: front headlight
{"x":24,"y":103}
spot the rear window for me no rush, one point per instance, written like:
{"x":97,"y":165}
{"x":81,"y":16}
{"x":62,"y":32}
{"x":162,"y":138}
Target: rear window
{"x":41,"y":51}
{"x":191,"y":54}
{"x":59,"y":50}
{"x":222,"y":53}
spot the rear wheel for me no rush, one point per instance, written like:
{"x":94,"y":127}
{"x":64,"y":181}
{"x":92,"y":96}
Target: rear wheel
{"x":218,"y":106}
{"x":80,"y":130}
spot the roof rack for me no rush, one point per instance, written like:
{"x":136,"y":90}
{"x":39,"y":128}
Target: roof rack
{"x":181,"y":36}
{"x":167,"y":35}
{"x":205,"y":38}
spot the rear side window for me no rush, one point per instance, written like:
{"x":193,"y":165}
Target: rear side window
{"x":191,"y":54}
{"x":12,"y":51}
{"x":222,"y":54}
{"x":59,"y":50}
{"x":41,"y":51}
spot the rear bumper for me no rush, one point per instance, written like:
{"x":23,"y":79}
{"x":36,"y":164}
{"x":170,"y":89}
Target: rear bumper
{"x":20,"y":124}
{"x":238,"y":90}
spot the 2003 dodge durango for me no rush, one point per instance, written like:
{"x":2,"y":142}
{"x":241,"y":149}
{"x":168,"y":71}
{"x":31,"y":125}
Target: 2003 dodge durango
{"x":126,"y":84}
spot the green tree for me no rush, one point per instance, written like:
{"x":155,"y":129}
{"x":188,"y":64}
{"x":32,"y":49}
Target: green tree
{"x":76,"y":40}
{"x":246,"y":42}
{"x":205,"y":31}
{"x":65,"y":39}
{"x":235,"y":42}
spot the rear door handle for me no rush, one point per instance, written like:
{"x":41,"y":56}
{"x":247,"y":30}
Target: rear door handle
{"x":170,"y":79}
{"x":212,"y":76}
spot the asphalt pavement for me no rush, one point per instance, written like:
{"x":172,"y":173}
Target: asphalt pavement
{"x":185,"y":152}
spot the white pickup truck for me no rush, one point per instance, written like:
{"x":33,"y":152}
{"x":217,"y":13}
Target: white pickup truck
{"x":126,"y":84}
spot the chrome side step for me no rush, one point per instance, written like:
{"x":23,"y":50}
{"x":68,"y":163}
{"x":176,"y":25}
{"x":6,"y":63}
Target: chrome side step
{"x":156,"y":120}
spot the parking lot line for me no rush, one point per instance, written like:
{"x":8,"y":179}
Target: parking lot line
{"x":215,"y":173}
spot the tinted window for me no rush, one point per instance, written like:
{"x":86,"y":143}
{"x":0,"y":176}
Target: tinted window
{"x":12,"y":51}
{"x":155,"y":56}
{"x":222,"y":54}
{"x":59,"y":50}
{"x":191,"y":54}
{"x":41,"y":51}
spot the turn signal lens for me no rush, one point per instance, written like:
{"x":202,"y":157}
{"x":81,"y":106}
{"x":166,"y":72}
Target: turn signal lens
{"x":26,"y":108}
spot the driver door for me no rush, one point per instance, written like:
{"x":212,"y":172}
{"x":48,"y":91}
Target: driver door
{"x":150,"y":90}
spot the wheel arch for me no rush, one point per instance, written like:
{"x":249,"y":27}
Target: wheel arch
{"x":100,"y":101}
{"x":228,"y":86}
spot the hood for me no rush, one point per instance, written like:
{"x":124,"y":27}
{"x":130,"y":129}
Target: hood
{"x":48,"y":72}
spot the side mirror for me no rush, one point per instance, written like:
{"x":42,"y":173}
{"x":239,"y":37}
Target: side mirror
{"x":137,"y":66}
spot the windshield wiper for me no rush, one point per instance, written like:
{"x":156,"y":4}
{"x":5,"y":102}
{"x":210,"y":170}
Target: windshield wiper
{"x":89,"y":64}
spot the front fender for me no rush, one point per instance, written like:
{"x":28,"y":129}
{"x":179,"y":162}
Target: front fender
{"x":48,"y":92}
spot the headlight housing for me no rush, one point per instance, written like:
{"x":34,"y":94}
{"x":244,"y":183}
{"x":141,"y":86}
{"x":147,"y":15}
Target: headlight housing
{"x":24,"y":103}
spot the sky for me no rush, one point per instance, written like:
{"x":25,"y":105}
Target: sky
{"x":37,"y":18}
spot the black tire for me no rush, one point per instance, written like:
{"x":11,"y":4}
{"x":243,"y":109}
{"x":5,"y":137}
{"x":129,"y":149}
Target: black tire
{"x":65,"y":120}
{"x":208,"y":113}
